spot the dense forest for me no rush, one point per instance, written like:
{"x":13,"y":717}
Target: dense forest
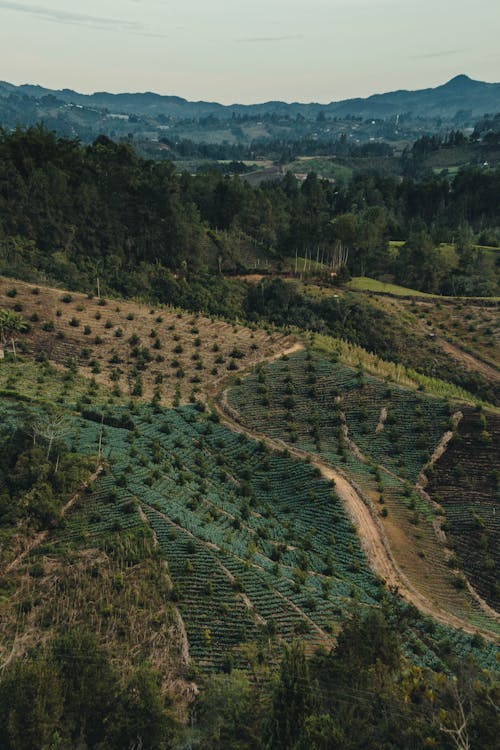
{"x":75,"y":212}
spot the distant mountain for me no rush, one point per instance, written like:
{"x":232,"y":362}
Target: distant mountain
{"x":461,"y":95}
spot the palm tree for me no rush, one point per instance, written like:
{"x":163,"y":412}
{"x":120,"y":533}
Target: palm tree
{"x":10,"y":324}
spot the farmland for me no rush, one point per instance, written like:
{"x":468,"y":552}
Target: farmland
{"x":240,"y":509}
{"x":258,"y":546}
{"x":465,"y":482}
{"x":161,"y":353}
{"x":354,"y":422}
{"x":256,"y":543}
{"x":470,"y":326}
{"x":201,"y":543}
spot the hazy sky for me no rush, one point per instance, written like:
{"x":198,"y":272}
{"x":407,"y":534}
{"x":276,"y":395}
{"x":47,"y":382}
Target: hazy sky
{"x":248,"y":51}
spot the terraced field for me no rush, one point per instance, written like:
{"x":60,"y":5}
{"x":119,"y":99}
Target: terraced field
{"x":322,"y":406}
{"x":361,"y":426}
{"x":159,"y":353}
{"x":465,"y":482}
{"x":258,"y":545}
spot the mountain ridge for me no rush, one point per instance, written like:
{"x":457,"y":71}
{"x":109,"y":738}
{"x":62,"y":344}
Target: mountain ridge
{"x":479,"y":96}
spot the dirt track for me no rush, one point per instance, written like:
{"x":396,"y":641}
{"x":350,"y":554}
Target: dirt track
{"x":371,"y":534}
{"x":468,"y":361}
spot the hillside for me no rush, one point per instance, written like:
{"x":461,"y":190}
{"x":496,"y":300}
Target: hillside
{"x":247,"y":455}
{"x":355,"y":422}
{"x":211,"y":522}
{"x":460,"y":93}
{"x":162,"y":354}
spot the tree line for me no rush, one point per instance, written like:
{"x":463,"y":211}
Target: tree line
{"x":74,"y":212}
{"x":362,"y":694}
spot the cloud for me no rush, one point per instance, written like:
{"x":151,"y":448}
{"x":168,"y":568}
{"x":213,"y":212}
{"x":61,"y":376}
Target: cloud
{"x":445,"y":53}
{"x":77,"y":19}
{"x":257,"y":39}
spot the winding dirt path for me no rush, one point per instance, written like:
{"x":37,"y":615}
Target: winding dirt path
{"x":468,"y":360}
{"x":359,"y":508}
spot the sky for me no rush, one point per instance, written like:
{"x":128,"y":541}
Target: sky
{"x":248,"y":50}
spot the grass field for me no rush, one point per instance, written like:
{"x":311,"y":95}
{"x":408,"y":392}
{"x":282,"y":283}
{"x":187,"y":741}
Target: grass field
{"x":365,"y":284}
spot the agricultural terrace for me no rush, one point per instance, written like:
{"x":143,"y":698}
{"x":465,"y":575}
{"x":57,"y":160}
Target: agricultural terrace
{"x":159,"y":353}
{"x":258,"y":546}
{"x":472,"y":328}
{"x":465,"y":481}
{"x":378,"y":434}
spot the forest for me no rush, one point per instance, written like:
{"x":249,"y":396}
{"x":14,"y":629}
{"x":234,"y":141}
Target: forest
{"x":74,"y":212}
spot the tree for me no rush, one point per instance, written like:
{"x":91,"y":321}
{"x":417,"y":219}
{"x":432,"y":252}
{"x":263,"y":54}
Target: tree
{"x":11,"y":324}
{"x":89,"y":684}
{"x":51,"y":426}
{"x":140,"y":720}
{"x":292,"y":699}
{"x":31,"y":705}
{"x":228,"y":714}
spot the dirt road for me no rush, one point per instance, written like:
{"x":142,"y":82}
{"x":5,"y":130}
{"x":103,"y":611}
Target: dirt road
{"x":364,"y":518}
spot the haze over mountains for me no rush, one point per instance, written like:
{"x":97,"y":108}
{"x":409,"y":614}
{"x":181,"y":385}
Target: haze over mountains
{"x":459,"y":95}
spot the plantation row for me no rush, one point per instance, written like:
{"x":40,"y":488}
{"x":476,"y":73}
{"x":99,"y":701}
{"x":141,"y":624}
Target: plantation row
{"x":319,"y":404}
{"x":253,"y":532}
{"x":334,"y":411}
{"x":257,"y":545}
{"x":466,"y":482}
{"x":161,"y":353}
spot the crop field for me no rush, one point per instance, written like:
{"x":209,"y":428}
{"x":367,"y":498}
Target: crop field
{"x":318,"y":405}
{"x":360,"y":424}
{"x":466,"y":483}
{"x":472,"y":327}
{"x":159,"y":353}
{"x":258,"y":545}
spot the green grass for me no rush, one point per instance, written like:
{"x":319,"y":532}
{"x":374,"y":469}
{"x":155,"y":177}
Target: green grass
{"x":323,"y":166}
{"x":355,"y":356}
{"x":365,"y":284}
